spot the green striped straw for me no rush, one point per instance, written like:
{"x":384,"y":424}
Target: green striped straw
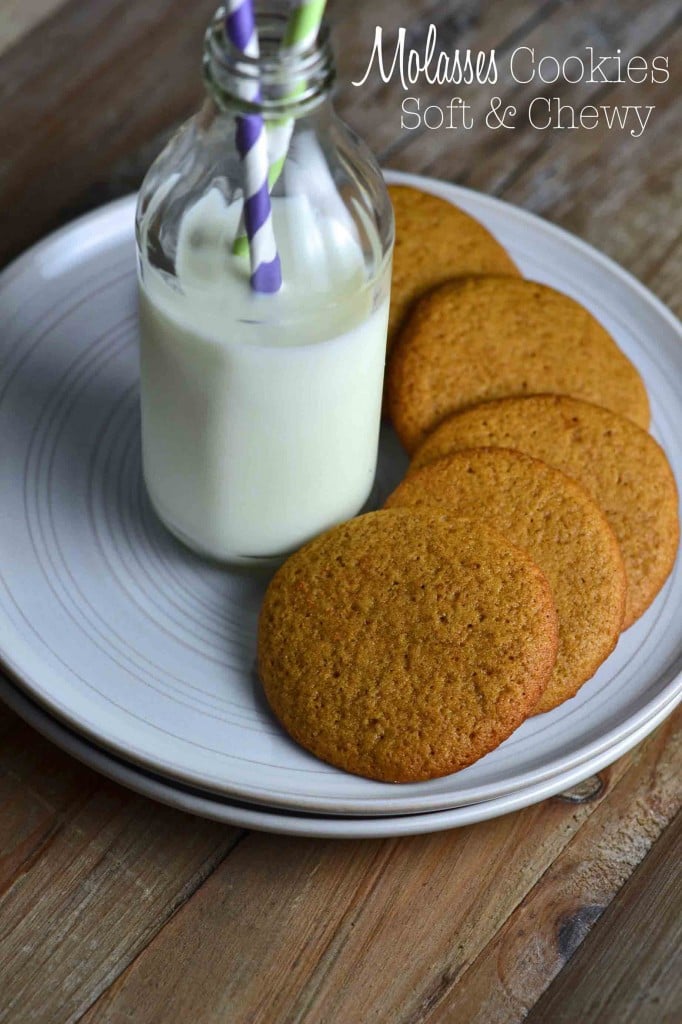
{"x":300,"y":34}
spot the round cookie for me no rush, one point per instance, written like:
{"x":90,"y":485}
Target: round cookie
{"x":434,"y":242}
{"x":622,"y":467}
{"x":484,"y":338}
{"x":563,"y":530}
{"x":405,"y":645}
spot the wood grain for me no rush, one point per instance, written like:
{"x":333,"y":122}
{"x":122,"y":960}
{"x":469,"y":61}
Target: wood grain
{"x":19,"y":17}
{"x":88,"y":873}
{"x":64,"y":122}
{"x":39,"y":789}
{"x":323,"y":920}
{"x":600,"y":983}
{"x":542,"y":934}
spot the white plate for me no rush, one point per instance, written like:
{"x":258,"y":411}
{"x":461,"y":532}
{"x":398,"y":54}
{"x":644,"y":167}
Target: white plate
{"x":133,"y":641}
{"x":287,"y":822}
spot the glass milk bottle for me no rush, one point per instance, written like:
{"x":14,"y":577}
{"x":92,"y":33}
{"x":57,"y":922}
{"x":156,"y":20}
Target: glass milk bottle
{"x":260,"y":412}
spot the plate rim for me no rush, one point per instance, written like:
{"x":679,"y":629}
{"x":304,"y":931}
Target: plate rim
{"x":113,"y":213}
{"x":313,"y":826}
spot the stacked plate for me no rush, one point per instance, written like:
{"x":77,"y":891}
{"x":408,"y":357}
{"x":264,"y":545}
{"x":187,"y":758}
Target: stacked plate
{"x":138,"y":657}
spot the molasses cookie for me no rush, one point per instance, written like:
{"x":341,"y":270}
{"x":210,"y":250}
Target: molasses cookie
{"x":475,"y":340}
{"x":404,"y":645}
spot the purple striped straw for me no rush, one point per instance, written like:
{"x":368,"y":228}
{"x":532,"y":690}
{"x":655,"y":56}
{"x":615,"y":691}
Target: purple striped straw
{"x":266,"y":270}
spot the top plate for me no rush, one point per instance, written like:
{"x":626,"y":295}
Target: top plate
{"x":131,"y":639}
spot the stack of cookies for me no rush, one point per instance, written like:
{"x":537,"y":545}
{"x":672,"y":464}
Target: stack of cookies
{"x":537,"y":520}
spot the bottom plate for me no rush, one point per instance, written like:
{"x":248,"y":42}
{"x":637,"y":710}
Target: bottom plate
{"x":230,"y":812}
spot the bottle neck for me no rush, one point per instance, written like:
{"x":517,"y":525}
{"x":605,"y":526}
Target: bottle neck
{"x":280,"y":83}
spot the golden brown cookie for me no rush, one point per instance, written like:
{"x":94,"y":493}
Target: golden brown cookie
{"x":436,"y":241}
{"x":622,"y":467}
{"x":404,"y":645}
{"x":471,"y":341}
{"x":562,"y":528}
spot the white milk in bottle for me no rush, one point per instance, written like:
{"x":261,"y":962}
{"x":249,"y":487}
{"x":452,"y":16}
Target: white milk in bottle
{"x":255,"y":440}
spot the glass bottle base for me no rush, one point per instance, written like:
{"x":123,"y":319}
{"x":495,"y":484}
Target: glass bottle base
{"x":244,"y":563}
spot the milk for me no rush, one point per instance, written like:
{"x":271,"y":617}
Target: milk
{"x":260,"y":413}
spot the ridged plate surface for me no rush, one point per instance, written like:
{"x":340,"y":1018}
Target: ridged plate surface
{"x":128,"y":638}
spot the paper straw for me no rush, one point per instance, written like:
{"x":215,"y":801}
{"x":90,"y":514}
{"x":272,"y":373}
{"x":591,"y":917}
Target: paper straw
{"x":266,"y":270}
{"x":300,"y":34}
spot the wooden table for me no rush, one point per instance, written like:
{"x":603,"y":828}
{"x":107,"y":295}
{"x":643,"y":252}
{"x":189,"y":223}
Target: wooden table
{"x":113,"y":908}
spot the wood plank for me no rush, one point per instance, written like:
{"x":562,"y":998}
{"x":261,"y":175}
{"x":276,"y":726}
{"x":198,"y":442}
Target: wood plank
{"x":64,"y":122}
{"x":544,"y":931}
{"x":629,"y":970}
{"x":307,"y":928}
{"x":39,"y":788}
{"x":370,"y":109}
{"x":633,"y":212}
{"x":89,"y":872}
{"x":19,"y":17}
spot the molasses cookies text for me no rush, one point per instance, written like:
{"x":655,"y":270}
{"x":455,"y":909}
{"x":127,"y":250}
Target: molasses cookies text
{"x":432,"y":67}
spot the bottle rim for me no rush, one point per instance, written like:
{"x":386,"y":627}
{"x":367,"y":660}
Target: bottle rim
{"x":277,"y":83}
